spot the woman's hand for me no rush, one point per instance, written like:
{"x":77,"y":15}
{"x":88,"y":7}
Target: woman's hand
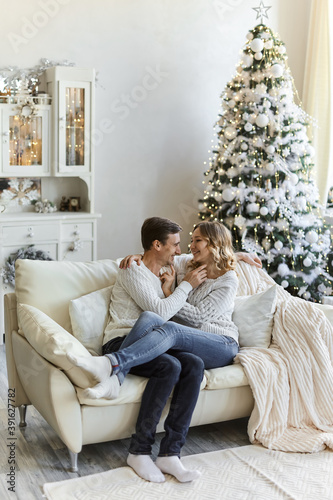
{"x":167,"y":280}
{"x":197,"y":276}
{"x":249,"y":258}
{"x":127,"y":261}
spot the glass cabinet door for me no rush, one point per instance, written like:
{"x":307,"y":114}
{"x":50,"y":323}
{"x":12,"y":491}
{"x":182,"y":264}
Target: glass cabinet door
{"x":25,"y":143}
{"x":74,"y":127}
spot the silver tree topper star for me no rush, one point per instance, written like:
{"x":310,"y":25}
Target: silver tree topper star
{"x":261,"y":11}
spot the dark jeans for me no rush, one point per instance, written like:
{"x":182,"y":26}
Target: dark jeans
{"x":182,"y":372}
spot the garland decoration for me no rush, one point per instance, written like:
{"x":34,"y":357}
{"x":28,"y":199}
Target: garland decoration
{"x":30,"y":252}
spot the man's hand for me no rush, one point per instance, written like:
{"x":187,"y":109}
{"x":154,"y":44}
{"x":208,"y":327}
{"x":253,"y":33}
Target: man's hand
{"x":249,"y":258}
{"x":127,"y":261}
{"x":197,"y":276}
{"x":167,"y":279}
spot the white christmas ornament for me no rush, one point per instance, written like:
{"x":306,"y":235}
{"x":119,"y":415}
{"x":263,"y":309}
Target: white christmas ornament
{"x":311,"y":237}
{"x":239,"y":221}
{"x":266,"y":244}
{"x":307,"y":262}
{"x":247,"y":60}
{"x":264,"y":211}
{"x":278,"y":245}
{"x":284,"y":283}
{"x":270,"y":150}
{"x":257,"y":45}
{"x":262,"y":120}
{"x":244,"y":146}
{"x":252,"y":208}
{"x":230,"y":133}
{"x":228,"y":194}
{"x":231,"y":103}
{"x":306,"y":295}
{"x":269,"y":44}
{"x":249,"y":35}
{"x":248,"y":127}
{"x":293,"y":179}
{"x":242,"y":185}
{"x":276,"y":71}
{"x":282,"y":49}
{"x":258,"y":56}
{"x":283,"y":270}
{"x":270,"y":167}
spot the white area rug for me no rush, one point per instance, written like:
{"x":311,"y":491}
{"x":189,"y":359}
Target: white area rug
{"x":246,"y":473}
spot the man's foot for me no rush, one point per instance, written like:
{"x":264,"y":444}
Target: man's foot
{"x":172,"y":465}
{"x":108,"y":389}
{"x":145,"y":468}
{"x":98,"y":367}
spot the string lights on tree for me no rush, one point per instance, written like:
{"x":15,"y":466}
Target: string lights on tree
{"x":259,"y":178}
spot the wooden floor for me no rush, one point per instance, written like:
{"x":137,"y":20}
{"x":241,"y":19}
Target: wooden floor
{"x":41,"y":457}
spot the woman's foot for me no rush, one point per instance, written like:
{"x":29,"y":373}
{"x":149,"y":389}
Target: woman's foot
{"x":98,"y":367}
{"x":108,"y":389}
{"x":172,"y":465}
{"x":145,"y":468}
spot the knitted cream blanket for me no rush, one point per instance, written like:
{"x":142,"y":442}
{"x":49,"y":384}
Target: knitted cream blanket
{"x":292,"y":380}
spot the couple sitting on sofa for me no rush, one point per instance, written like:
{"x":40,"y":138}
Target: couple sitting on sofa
{"x":172,"y":354}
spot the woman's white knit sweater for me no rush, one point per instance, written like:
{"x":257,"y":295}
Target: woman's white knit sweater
{"x":137,"y":289}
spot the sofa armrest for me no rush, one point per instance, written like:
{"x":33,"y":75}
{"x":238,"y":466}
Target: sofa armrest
{"x":14,"y":382}
{"x":50,"y":391}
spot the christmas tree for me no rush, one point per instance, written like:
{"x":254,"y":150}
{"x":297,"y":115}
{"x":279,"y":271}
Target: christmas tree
{"x":259,"y":181}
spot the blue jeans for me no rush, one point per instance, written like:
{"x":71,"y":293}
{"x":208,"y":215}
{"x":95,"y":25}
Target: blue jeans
{"x":182,"y":372}
{"x":151,"y":336}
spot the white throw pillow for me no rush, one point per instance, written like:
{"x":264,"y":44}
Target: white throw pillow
{"x":89,"y":316}
{"x":52,"y":342}
{"x":254,"y":315}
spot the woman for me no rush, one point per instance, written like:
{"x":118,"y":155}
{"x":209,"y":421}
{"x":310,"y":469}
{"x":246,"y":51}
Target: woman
{"x":202,"y":327}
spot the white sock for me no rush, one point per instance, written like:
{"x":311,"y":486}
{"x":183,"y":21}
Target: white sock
{"x":145,"y":468}
{"x":108,"y":389}
{"x":172,"y":465}
{"x":99,"y":367}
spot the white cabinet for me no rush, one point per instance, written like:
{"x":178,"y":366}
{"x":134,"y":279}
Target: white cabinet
{"x":62,"y":236}
{"x":46,"y":143}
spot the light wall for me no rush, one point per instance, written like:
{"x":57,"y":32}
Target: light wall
{"x":162,"y":65}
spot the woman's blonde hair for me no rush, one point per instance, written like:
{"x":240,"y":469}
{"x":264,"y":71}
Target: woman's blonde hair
{"x":219,"y":241}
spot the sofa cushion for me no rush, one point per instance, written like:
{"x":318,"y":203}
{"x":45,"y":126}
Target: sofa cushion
{"x":50,"y":285}
{"x":254,"y":316}
{"x":89,"y":316}
{"x":130,"y":392}
{"x":52,"y":342}
{"x":226,"y":377}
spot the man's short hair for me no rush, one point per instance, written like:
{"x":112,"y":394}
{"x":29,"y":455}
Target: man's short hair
{"x":157,"y":228}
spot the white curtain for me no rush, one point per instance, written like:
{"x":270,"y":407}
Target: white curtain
{"x":318,"y":92}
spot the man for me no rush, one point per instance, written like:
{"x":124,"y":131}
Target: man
{"x":138,"y":289}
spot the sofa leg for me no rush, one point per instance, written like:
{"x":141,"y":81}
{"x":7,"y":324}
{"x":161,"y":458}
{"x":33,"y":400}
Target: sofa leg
{"x":73,"y":458}
{"x":23,"y":412}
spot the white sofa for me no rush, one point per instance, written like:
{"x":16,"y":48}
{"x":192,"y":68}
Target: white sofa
{"x":49,"y":287}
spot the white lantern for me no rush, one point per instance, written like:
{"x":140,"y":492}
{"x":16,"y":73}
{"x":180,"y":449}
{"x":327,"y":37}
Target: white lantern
{"x":264,"y":211}
{"x":262,"y":120}
{"x":230,"y":133}
{"x":228,"y":194}
{"x":307,"y":262}
{"x":311,"y":237}
{"x":276,"y":71}
{"x":257,"y":45}
{"x":278,"y":245}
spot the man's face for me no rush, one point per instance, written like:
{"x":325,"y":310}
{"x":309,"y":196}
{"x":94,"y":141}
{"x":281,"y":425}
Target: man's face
{"x":170,"y":249}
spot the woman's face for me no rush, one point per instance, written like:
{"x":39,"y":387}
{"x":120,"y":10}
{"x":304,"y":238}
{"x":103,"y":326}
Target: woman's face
{"x":199,"y":248}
